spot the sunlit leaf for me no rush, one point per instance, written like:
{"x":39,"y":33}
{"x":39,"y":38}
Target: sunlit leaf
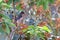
{"x":46,"y":28}
{"x":0,"y":0}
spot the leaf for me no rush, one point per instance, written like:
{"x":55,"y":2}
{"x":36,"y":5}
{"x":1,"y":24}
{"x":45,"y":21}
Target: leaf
{"x":51,"y":1}
{"x":1,"y":15}
{"x":12,"y":25}
{"x":6,"y":5}
{"x":37,"y":31}
{"x":1,"y":30}
{"x":46,"y":28}
{"x":31,"y":26}
{"x":3,"y":26}
{"x":9,"y":2}
{"x":0,"y":0}
{"x":6,"y":18}
{"x":7,"y":29}
{"x":24,"y":30}
{"x":18,"y":7}
{"x":39,"y":2}
{"x":31,"y":32}
{"x":45,"y":5}
{"x":9,"y":22}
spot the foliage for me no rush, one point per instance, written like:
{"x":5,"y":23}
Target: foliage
{"x":36,"y":31}
{"x":18,"y":7}
{"x":45,"y":3}
{"x":6,"y":24}
{"x":0,"y":0}
{"x":7,"y":4}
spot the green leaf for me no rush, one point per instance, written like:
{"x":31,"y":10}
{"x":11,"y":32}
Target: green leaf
{"x":1,"y":31}
{"x":6,"y":17}
{"x":7,"y":29}
{"x":31,"y":32}
{"x":9,"y":2}
{"x":45,"y":5}
{"x":6,"y":5}
{"x":39,"y":2}
{"x":12,"y":25}
{"x":0,"y":0}
{"x":46,"y":28}
{"x":51,"y":1}
{"x":18,"y":7}
{"x":31,"y":26}
{"x":1,"y":15}
{"x":9,"y":22}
